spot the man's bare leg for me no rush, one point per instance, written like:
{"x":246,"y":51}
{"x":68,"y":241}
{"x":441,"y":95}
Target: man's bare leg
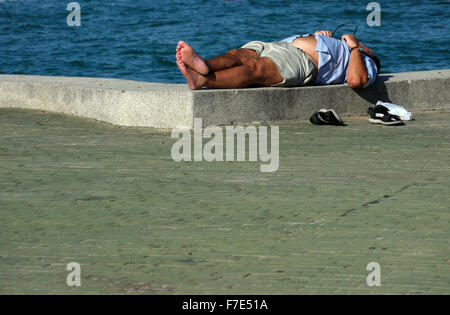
{"x":261,"y":72}
{"x":233,"y":58}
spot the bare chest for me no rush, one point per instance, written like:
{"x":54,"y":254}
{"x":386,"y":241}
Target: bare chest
{"x":308,"y":45}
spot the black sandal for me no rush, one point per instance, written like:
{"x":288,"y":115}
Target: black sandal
{"x":380,"y":115}
{"x":327,"y":117}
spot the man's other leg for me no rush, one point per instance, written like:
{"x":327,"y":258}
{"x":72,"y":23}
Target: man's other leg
{"x":233,"y":58}
{"x":256,"y":72}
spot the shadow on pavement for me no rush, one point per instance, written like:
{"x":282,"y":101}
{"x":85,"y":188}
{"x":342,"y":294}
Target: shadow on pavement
{"x":377,"y":92}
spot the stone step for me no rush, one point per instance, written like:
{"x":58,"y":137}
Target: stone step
{"x":133,"y":103}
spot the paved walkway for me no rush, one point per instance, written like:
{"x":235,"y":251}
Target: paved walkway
{"x":113,"y":200}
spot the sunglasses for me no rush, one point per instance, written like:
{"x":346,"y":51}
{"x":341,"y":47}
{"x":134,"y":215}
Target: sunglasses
{"x":354,"y":32}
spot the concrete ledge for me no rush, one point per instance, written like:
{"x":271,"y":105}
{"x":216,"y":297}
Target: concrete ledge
{"x":132,"y":103}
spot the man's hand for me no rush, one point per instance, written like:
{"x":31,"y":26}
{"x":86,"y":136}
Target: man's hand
{"x":350,"y":40}
{"x":324,"y":33}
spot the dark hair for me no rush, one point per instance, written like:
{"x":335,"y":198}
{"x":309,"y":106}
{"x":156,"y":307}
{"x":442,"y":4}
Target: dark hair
{"x":377,"y":62}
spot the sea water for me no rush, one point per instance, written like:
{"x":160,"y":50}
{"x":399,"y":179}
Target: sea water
{"x":136,"y":39}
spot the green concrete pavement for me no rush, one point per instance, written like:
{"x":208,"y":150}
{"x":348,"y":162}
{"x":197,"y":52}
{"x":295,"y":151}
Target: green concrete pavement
{"x":112,"y":199}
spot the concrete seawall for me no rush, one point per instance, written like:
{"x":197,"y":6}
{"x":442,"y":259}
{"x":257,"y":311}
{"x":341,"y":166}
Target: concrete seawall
{"x":132,"y":103}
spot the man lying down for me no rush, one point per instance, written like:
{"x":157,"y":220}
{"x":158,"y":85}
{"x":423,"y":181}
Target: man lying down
{"x":312,"y":59}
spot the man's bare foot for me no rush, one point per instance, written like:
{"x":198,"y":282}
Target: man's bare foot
{"x":191,"y":59}
{"x":195,"y":81}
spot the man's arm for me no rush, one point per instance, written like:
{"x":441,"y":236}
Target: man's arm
{"x":356,"y":74}
{"x":292,"y":38}
{"x":324,"y":33}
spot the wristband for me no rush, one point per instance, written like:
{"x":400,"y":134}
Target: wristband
{"x":357,"y":47}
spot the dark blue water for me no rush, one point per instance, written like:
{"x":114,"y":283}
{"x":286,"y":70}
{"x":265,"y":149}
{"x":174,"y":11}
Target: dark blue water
{"x":136,"y":39}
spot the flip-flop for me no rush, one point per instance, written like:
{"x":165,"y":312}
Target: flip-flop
{"x":327,"y":117}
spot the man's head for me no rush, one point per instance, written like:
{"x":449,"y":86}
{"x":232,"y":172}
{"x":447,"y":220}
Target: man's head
{"x":377,"y":62}
{"x":369,"y":52}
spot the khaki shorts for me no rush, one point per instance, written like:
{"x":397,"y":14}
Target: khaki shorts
{"x":294,"y":65}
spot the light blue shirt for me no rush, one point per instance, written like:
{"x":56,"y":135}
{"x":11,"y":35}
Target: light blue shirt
{"x":334,"y":57}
